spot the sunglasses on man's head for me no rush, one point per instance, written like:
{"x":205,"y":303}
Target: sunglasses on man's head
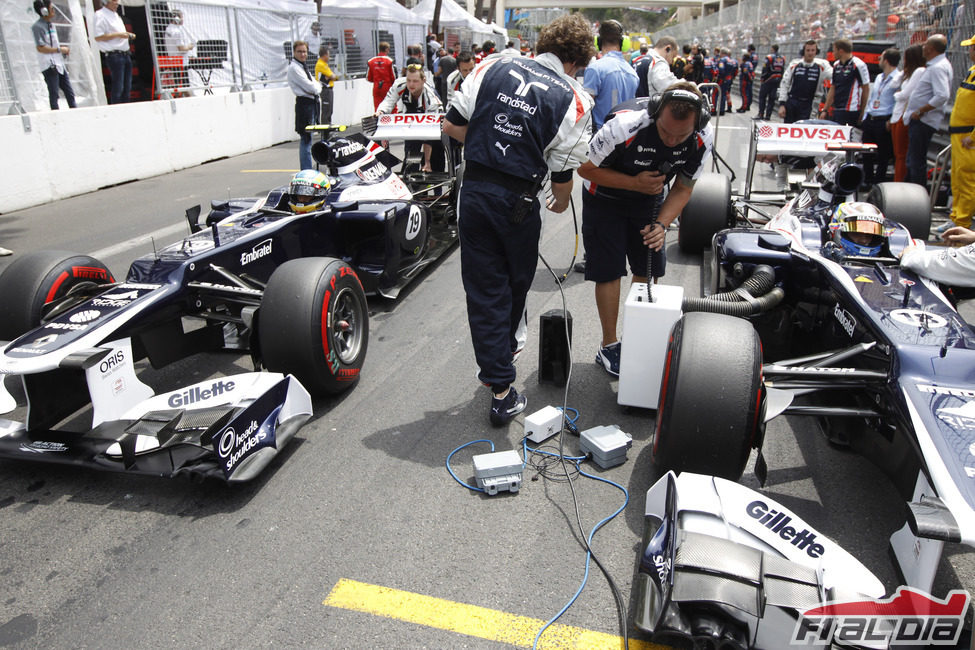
{"x":414,"y":67}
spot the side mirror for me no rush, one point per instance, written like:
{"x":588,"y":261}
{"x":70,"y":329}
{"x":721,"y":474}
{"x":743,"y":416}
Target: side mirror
{"x":193,"y":218}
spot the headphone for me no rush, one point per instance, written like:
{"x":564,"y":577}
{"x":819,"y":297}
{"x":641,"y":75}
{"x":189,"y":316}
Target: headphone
{"x":609,"y":28}
{"x":701,"y":104}
{"x":41,"y":8}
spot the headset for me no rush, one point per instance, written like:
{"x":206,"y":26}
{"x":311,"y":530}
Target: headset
{"x":41,"y":8}
{"x":701,"y":104}
{"x":609,"y":29}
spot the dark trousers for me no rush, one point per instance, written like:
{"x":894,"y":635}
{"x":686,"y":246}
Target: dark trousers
{"x":847,"y":118}
{"x":55,"y":80}
{"x":120,"y":69}
{"x":796,"y":109}
{"x":875,"y":163}
{"x":746,"y":94}
{"x":725,"y":95}
{"x":497,"y":260}
{"x":766,"y":98}
{"x":328,"y":94}
{"x":918,"y":139}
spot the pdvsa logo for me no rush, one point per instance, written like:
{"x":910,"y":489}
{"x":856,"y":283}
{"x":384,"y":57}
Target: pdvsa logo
{"x":810,"y":132}
{"x":908,"y":618}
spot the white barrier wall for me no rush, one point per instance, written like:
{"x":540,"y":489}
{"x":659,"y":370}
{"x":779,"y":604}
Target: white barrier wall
{"x":70,"y":152}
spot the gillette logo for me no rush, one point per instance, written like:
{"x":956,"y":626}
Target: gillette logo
{"x":778,"y":522}
{"x":260,"y":250}
{"x":197,"y":394}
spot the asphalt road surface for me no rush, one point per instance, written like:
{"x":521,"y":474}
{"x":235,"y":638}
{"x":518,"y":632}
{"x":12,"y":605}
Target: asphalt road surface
{"x":357,"y":536}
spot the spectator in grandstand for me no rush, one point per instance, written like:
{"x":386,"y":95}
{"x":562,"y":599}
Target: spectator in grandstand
{"x":50,"y":54}
{"x":913,"y":68}
{"x":847,"y":96}
{"x":306,"y":91}
{"x":927,"y":106}
{"x":381,"y":74}
{"x":876,"y":116}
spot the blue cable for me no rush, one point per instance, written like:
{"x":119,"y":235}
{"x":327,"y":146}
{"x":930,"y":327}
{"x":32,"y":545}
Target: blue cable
{"x":569,"y":408}
{"x":450,"y":455}
{"x":585,"y":576}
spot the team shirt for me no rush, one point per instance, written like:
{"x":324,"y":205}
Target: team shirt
{"x":848,"y":81}
{"x":804,"y":81}
{"x":399,"y":99}
{"x":525,"y":117}
{"x":629,"y":143}
{"x":774,"y":67}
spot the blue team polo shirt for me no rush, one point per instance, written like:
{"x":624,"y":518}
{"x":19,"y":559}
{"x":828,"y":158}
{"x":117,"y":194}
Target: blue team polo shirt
{"x":611,"y":81}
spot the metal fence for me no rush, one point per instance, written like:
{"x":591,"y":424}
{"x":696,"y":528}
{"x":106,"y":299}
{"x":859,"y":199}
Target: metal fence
{"x":8,"y":92}
{"x":792,"y":22}
{"x":201,"y":47}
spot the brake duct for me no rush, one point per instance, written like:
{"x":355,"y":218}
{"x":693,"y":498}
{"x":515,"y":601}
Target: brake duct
{"x":757,"y":294}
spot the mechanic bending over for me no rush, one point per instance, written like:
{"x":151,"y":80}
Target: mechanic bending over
{"x":520,"y":119}
{"x":412,"y":94}
{"x":953,"y":266}
{"x":649,"y":142}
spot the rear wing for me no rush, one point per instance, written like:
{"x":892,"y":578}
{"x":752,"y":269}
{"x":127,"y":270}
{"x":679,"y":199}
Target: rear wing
{"x":404,"y":126}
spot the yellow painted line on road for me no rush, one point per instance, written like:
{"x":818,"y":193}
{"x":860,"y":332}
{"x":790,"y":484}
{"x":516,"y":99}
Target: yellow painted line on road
{"x":268,"y":171}
{"x":479,"y":622}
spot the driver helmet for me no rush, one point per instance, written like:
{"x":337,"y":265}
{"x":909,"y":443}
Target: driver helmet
{"x":860,"y":228}
{"x":308,"y":191}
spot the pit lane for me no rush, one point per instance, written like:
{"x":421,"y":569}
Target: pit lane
{"x":362,"y":494}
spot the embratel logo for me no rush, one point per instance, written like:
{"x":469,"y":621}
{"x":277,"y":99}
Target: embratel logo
{"x":908,"y":618}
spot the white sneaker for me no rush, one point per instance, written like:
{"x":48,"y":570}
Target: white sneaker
{"x":5,"y":251}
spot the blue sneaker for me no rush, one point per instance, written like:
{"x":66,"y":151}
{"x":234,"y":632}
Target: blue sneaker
{"x":943,"y":227}
{"x":504,"y":409}
{"x":609,"y":358}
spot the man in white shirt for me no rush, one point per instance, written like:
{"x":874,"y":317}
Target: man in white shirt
{"x":927,"y":107}
{"x":178,"y":40}
{"x":113,"y":42}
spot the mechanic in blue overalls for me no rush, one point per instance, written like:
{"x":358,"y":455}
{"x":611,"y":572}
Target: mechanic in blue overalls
{"x":802,"y":84}
{"x":520,"y":120}
{"x":648,"y":142}
{"x":727,"y":69}
{"x":771,"y":78}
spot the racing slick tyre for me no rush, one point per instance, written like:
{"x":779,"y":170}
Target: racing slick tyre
{"x":34,"y":280}
{"x":906,"y":203}
{"x":709,"y":414}
{"x":314,"y":324}
{"x":707,"y":212}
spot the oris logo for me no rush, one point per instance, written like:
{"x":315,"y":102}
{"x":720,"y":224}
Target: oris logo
{"x":85,"y":316}
{"x":111,"y":362}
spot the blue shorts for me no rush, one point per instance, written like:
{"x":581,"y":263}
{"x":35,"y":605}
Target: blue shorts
{"x":611,"y":235}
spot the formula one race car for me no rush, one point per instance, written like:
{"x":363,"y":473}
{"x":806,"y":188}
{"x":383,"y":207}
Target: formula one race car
{"x":814,"y":321}
{"x":283,"y":277}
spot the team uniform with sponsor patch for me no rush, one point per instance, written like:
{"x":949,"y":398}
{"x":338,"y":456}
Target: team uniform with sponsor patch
{"x":849,"y":80}
{"x":612,"y":218}
{"x":771,"y":78}
{"x":803,"y":87}
{"x":525,"y":119}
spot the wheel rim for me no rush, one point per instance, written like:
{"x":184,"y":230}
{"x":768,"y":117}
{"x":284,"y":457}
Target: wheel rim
{"x":347,"y":326}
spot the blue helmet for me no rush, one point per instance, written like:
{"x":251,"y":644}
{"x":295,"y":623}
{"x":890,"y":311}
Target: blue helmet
{"x":860,"y":228}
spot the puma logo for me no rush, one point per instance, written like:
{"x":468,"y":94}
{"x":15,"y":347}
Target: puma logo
{"x":504,"y":149}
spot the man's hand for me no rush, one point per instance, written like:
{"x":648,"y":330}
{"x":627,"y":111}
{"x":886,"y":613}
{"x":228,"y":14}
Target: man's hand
{"x":654,"y":235}
{"x":649,"y":182}
{"x":782,"y":112}
{"x":967,"y":142}
{"x":958,"y":236}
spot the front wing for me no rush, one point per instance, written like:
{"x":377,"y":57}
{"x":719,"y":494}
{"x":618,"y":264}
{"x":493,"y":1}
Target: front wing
{"x":228,"y":428}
